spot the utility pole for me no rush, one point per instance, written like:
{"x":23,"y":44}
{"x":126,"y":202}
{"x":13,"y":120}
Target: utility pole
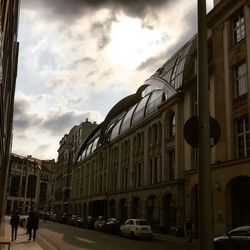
{"x":204,"y":169}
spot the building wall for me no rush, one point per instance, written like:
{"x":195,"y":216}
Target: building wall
{"x":230,"y":171}
{"x":26,"y":177}
{"x":8,"y":70}
{"x":98,"y":180}
{"x":63,"y":180}
{"x":132,"y":174}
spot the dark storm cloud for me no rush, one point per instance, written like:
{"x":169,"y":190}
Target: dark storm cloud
{"x":58,"y":123}
{"x":23,"y":120}
{"x":101,"y":31}
{"x":72,"y":9}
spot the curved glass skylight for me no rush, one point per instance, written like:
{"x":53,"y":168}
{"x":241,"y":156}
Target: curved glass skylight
{"x":126,"y":123}
{"x":161,"y":86}
{"x":116,"y":130}
{"x":154,"y":101}
{"x":140,"y":110}
{"x":94,"y":144}
{"x":172,"y":70}
{"x":89,"y":149}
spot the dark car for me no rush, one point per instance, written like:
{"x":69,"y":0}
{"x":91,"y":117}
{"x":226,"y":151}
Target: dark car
{"x":100,"y":220}
{"x":63,"y":218}
{"x":112,"y":225}
{"x":72,"y":219}
{"x":88,"y":222}
{"x":237,"y":239}
{"x":79,"y":221}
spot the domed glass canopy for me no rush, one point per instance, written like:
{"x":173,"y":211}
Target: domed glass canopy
{"x":132,"y":110}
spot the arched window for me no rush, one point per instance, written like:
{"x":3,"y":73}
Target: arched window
{"x":172,"y":128}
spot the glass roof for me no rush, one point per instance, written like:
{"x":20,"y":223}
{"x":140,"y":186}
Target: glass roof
{"x":126,"y":123}
{"x":161,"y":86}
{"x":172,"y":70}
{"x":154,"y":101}
{"x":140,"y":110}
{"x":116,"y":130}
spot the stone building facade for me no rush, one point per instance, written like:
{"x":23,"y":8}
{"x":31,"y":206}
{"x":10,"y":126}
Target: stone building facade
{"x":30,"y":184}
{"x":9,"y":14}
{"x":137,"y":163}
{"x":63,"y":178}
{"x":229,"y":24}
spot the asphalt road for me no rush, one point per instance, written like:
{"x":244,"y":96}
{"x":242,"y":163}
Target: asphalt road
{"x":55,"y":236}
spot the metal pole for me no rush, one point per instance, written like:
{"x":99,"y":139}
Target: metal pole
{"x":204,"y":169}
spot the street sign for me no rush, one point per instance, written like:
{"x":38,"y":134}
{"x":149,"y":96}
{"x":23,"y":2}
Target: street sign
{"x":191,"y":127}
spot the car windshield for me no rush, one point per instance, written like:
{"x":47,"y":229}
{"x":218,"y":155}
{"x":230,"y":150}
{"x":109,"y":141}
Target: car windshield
{"x":141,"y":222}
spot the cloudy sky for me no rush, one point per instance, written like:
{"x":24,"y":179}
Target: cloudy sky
{"x":78,"y":58}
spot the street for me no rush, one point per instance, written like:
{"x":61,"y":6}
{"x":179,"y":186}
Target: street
{"x":53,"y":236}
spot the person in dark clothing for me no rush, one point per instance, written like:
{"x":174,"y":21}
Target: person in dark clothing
{"x":14,"y":222}
{"x":32,"y":224}
{"x":189,"y":229}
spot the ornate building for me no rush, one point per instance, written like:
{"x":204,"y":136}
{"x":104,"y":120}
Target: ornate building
{"x":63,"y":178}
{"x":137,"y":163}
{"x":30,"y":184}
{"x":9,"y":11}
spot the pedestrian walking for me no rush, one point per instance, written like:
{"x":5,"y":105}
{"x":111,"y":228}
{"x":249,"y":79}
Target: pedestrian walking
{"x":14,"y":222}
{"x":32,"y":225}
{"x":189,"y":229}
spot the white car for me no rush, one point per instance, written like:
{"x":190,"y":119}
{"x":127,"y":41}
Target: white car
{"x":136,"y":228}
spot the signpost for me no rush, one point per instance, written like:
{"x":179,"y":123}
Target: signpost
{"x":204,"y":168}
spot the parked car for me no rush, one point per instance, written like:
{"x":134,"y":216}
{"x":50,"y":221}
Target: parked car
{"x":62,"y":218}
{"x":88,"y":222}
{"x":136,"y":228}
{"x":53,"y":217}
{"x":111,"y":225}
{"x":98,"y":224}
{"x":79,"y":221}
{"x":72,"y":219}
{"x":237,"y":239}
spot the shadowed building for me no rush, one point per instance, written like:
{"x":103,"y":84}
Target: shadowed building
{"x":63,"y":172}
{"x":137,"y":163}
{"x":30,"y":184}
{"x":9,"y":12}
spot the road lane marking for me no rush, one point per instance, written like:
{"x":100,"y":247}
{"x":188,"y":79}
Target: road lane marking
{"x":85,"y":240}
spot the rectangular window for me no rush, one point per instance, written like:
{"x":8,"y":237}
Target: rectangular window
{"x":239,"y":28}
{"x":139,"y":174}
{"x":126,"y":178}
{"x":156,"y":171}
{"x":240,"y":79}
{"x":243,"y":137}
{"x":171,"y":164}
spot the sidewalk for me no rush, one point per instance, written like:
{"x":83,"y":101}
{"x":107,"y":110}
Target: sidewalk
{"x":22,"y":242}
{"x":175,"y":239}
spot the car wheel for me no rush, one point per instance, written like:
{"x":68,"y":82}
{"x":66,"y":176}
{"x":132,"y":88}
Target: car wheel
{"x":120,"y":233}
{"x":132,"y":235}
{"x":219,"y":246}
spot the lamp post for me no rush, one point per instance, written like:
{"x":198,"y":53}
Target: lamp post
{"x":33,"y":184}
{"x":204,"y":169}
